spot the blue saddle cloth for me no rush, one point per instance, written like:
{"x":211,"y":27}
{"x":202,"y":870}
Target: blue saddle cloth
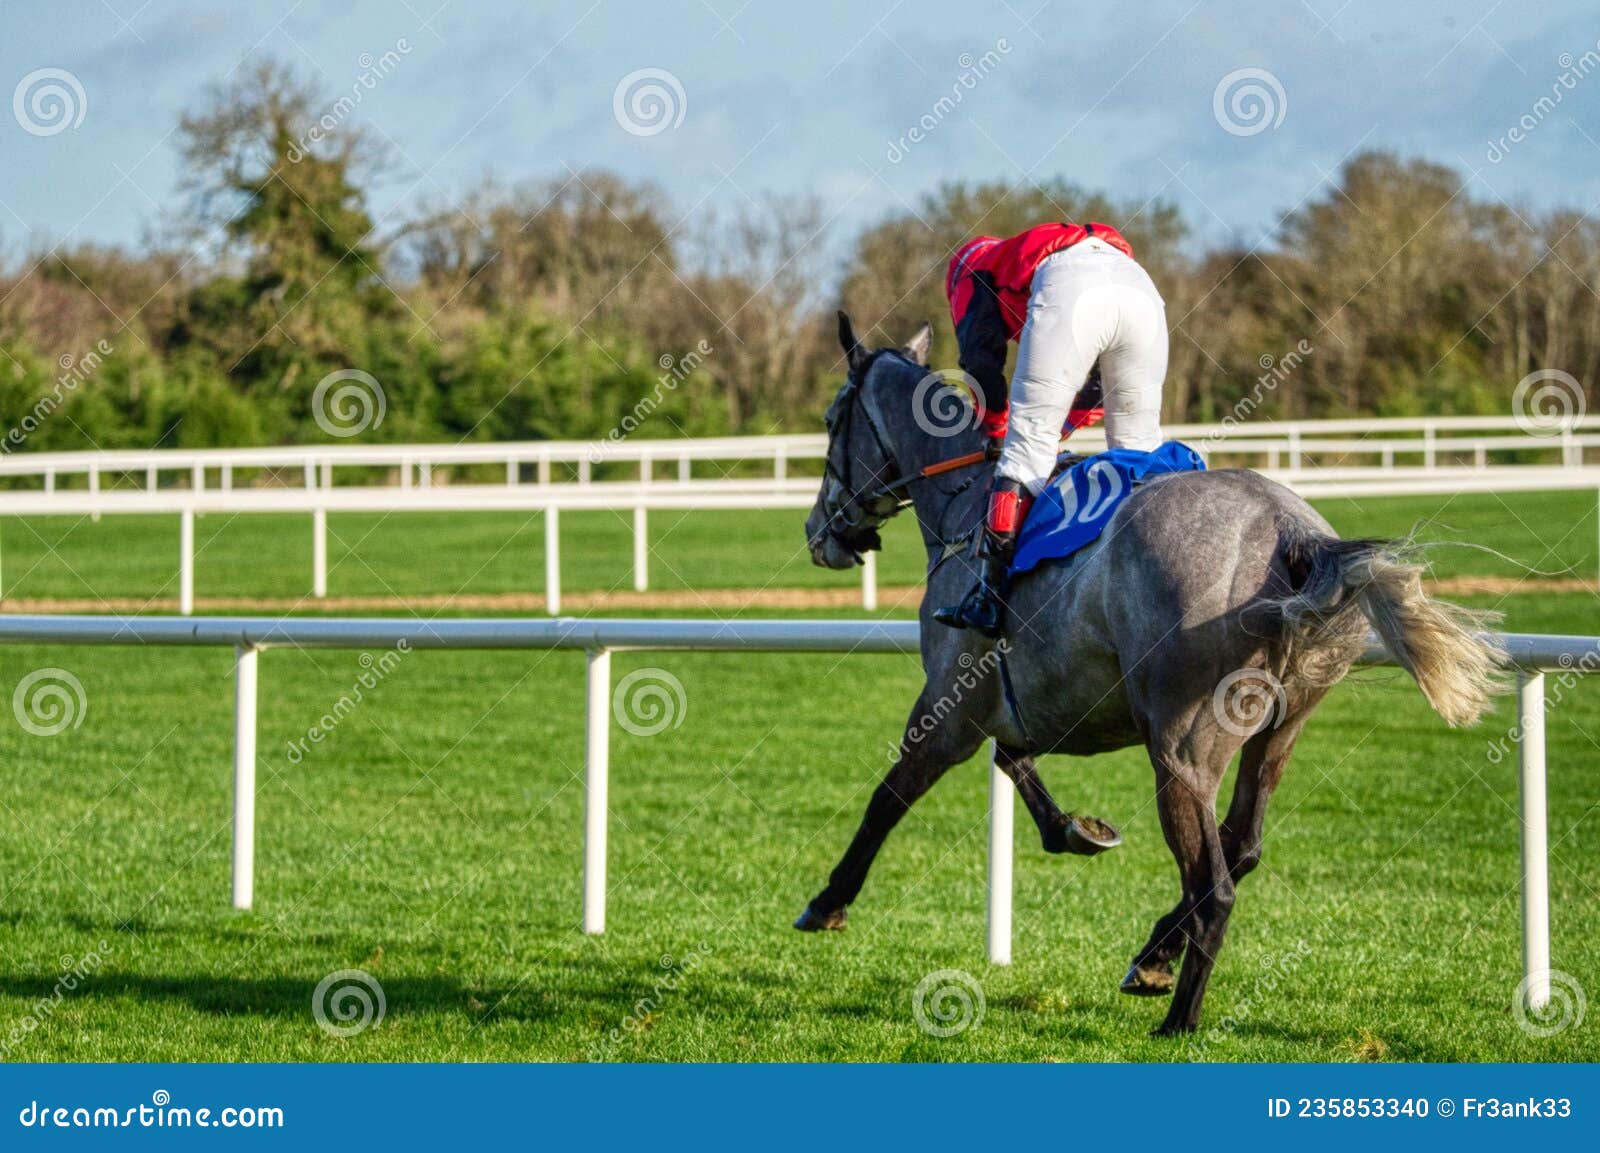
{"x":1076,"y":506}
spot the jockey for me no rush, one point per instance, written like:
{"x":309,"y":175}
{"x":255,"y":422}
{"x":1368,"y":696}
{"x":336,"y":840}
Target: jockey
{"x":1074,"y":300}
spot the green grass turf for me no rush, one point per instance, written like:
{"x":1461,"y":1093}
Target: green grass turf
{"x":440,"y":553}
{"x":434,"y":841}
{"x":434,"y":838}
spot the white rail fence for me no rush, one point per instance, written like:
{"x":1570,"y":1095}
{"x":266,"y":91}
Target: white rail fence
{"x":1532,"y":655}
{"x":639,"y":499}
{"x":550,"y":501}
{"x":1314,"y":445}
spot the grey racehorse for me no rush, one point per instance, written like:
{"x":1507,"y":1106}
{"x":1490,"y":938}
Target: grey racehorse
{"x":1212,"y":616}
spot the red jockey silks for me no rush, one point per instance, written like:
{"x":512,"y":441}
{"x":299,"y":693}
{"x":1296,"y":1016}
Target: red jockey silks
{"x":1011,"y":263}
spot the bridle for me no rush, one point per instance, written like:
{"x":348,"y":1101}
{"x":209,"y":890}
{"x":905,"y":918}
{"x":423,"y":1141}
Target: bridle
{"x":854,"y":523}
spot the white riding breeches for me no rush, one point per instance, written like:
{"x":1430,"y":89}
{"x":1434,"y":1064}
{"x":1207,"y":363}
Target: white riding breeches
{"x":1089,"y":302}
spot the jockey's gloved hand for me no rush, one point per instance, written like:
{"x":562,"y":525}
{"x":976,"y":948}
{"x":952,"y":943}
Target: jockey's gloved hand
{"x":994,"y":423}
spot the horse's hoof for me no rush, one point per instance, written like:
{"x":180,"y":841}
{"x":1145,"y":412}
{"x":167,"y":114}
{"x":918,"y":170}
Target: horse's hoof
{"x":811,"y":921}
{"x":1084,"y":836}
{"x":1172,"y":1029}
{"x":1148,"y":981}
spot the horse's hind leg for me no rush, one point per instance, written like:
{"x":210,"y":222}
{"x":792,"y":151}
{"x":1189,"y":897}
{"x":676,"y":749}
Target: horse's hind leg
{"x":1186,"y":794}
{"x":1187,"y":803}
{"x":924,"y":758}
{"x":1261,"y":767}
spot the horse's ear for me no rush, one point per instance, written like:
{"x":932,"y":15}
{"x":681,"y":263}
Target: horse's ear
{"x":917,"y":347}
{"x":854,"y":353}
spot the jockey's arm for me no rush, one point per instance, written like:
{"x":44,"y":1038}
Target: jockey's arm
{"x":982,"y":338}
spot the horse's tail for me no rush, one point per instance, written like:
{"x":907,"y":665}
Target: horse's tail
{"x":1340,"y":586}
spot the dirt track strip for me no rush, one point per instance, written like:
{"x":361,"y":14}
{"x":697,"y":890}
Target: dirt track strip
{"x":889,"y":597}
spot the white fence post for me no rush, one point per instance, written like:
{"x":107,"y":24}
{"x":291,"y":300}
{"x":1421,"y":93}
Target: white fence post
{"x":552,"y":561}
{"x":869,"y":581}
{"x":641,"y":549}
{"x":244,"y":777}
{"x":596,"y":774}
{"x":1535,"y":842}
{"x":94,"y":486}
{"x":186,"y":562}
{"x":1002,"y":813}
{"x":319,"y":553}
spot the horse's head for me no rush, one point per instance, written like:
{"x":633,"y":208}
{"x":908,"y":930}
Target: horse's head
{"x":865,"y":479}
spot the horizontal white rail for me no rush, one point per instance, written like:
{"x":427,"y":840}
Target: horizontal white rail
{"x":570,"y":633}
{"x":765,"y":495}
{"x":1289,"y":443}
{"x":716,"y":494}
{"x":798,"y":492}
{"x":641,"y":497}
{"x":1531,"y":654}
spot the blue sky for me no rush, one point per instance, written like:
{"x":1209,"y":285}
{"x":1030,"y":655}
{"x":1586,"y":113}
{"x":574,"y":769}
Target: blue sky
{"x":811,"y":98}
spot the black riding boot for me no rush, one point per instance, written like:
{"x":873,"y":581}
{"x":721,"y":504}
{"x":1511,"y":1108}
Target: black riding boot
{"x":983,"y":608}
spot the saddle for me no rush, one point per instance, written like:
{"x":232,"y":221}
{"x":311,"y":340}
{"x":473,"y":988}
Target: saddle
{"x":1084,"y":492}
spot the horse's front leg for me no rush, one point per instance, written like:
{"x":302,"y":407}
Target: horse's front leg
{"x":930,"y":746}
{"x":1060,"y":832}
